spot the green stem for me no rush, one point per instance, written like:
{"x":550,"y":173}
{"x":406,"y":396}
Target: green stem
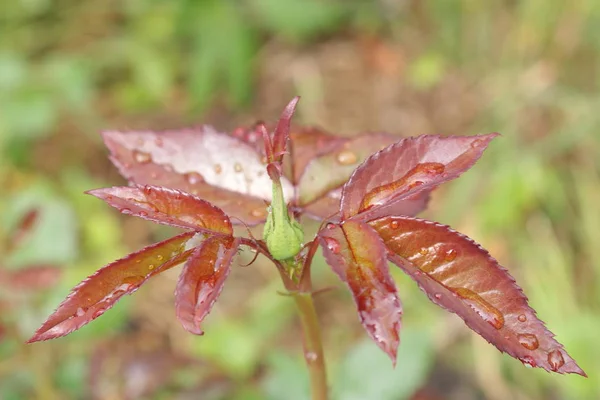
{"x":313,"y":348}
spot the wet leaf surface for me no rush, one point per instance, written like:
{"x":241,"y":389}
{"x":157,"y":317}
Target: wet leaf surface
{"x":202,"y":280}
{"x":166,"y":206}
{"x":100,"y":291}
{"x":411,"y":167}
{"x":329,"y":171}
{"x":214,"y":166}
{"x":357,"y":255}
{"x":460,"y":276}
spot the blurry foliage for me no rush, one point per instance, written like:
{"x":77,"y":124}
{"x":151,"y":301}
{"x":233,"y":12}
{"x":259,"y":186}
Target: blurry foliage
{"x":75,"y":67}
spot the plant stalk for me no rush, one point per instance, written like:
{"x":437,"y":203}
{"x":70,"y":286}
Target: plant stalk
{"x":313,"y":347}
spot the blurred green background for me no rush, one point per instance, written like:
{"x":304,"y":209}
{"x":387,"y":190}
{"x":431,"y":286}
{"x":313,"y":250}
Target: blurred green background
{"x":68,"y":69}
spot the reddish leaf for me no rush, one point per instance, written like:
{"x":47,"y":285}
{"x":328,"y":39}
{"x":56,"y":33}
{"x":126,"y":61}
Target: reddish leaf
{"x":330,"y":170}
{"x":202,"y":279}
{"x":30,"y":278}
{"x":99,"y":292}
{"x":281,"y":134}
{"x":326,"y":207}
{"x":166,"y":206}
{"x":213,"y":166}
{"x":23,"y":229}
{"x":459,"y":275}
{"x":308,"y":143}
{"x":409,"y":168}
{"x":358,"y":256}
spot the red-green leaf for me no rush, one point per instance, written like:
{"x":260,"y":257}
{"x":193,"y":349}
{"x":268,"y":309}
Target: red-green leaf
{"x":329,"y":171}
{"x":459,"y":275}
{"x":411,"y":167}
{"x":358,"y":256}
{"x":213,"y":166}
{"x":202,"y":279}
{"x":166,"y":206}
{"x":99,"y":292}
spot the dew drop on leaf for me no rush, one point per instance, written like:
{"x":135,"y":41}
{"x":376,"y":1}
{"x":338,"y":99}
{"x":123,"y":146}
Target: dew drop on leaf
{"x":151,"y":267}
{"x":218,"y":168}
{"x":487,"y":311}
{"x":437,"y":296}
{"x":194,"y":178}
{"x":80,"y":312}
{"x":528,"y":340}
{"x":160,"y":257}
{"x":125,"y":211}
{"x":394,"y":224}
{"x":423,"y":251}
{"x":258,"y":212}
{"x":346,"y":157}
{"x":556,"y":360}
{"x":477,"y":143}
{"x":332,"y":244}
{"x":522,"y":318}
{"x":431,"y":168}
{"x":450,"y":255}
{"x":528,"y":361}
{"x":143,"y":214}
{"x":237,"y":167}
{"x":141,"y":157}
{"x":330,"y":226}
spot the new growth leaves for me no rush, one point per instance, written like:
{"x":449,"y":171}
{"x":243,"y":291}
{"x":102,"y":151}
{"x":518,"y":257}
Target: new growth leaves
{"x":203,"y":181}
{"x":455,"y":272}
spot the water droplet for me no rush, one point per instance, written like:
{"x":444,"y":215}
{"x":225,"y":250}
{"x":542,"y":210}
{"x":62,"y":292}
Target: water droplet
{"x":330,"y":226}
{"x":143,"y":214}
{"x":332,"y":244}
{"x":125,"y":211}
{"x":346,"y":157}
{"x":151,"y":267}
{"x":259,"y":212}
{"x":193,"y":178}
{"x":80,"y":312}
{"x":141,"y":157}
{"x":528,"y":361}
{"x":522,"y":318}
{"x":237,"y":167}
{"x":488,"y":312}
{"x":159,"y":142}
{"x":98,"y":312}
{"x":394,"y":224}
{"x":415,"y":184}
{"x":218,"y":168}
{"x":556,"y":360}
{"x":310,"y":356}
{"x":528,"y":340}
{"x":450,"y":255}
{"x":430,"y":168}
{"x":160,"y":257}
{"x":437,"y":296}
{"x":423,"y":251}
{"x":477,"y":143}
